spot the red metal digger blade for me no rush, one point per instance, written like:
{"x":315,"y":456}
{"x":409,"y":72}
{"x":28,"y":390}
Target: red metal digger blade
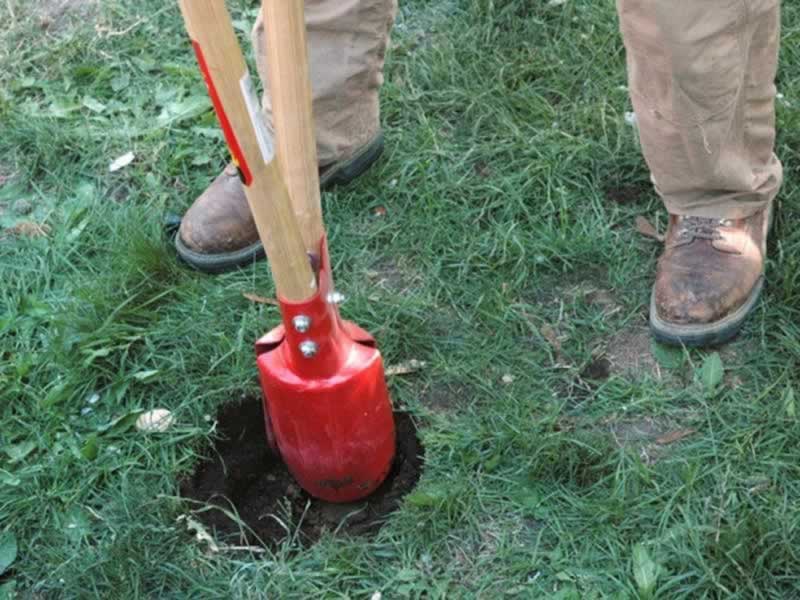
{"x":326,"y":404}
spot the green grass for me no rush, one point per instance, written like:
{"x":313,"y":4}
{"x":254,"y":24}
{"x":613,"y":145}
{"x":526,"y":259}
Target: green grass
{"x":506,"y":150}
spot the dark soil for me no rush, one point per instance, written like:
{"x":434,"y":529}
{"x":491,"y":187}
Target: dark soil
{"x":445,"y":397}
{"x":628,"y":194}
{"x":243,"y":476}
{"x":597,"y":370}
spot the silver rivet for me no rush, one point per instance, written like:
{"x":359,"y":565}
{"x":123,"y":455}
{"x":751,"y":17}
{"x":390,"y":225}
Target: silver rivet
{"x":335,"y":298}
{"x":309,"y":349}
{"x":301,"y":323}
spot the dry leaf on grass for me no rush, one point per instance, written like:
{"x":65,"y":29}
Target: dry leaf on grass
{"x":260,"y":299}
{"x":646,"y":228}
{"x":566,"y":424}
{"x":121,"y":162}
{"x":405,"y":368}
{"x":200,"y":533}
{"x":158,"y":421}
{"x":28,"y":229}
{"x":551,"y":336}
{"x":675,"y":436}
{"x":601,"y":297}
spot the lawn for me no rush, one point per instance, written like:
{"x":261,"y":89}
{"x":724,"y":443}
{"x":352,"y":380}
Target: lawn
{"x":566,"y":456}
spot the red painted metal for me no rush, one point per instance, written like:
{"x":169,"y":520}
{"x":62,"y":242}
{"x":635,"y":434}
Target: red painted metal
{"x":219,"y":108}
{"x":329,"y":416}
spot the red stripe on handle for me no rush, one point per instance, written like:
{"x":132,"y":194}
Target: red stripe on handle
{"x":227,"y":130}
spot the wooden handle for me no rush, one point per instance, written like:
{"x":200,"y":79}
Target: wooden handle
{"x":228,"y":81}
{"x":290,"y":91}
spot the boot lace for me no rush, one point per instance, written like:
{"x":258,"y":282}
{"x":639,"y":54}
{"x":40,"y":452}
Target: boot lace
{"x":702,"y":228}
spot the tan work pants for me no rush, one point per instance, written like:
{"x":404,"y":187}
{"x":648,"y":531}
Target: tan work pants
{"x":347,"y":42}
{"x":701,"y":77}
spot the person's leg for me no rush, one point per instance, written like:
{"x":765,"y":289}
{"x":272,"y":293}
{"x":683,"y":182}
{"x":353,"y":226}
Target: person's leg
{"x":347,"y":41}
{"x":701,"y":78}
{"x":347,"y":44}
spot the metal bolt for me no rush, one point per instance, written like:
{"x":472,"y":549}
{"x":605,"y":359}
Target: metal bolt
{"x":309,"y":349}
{"x":301,"y":323}
{"x":335,"y":298}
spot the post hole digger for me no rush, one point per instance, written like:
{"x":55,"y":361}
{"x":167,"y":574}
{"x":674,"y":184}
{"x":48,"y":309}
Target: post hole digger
{"x":326,"y":404}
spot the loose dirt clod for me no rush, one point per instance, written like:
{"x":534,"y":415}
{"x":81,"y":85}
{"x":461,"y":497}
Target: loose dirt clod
{"x":597,"y":370}
{"x":22,"y":206}
{"x":629,"y":353}
{"x":57,"y":15}
{"x":394,"y":275}
{"x":243,"y":477}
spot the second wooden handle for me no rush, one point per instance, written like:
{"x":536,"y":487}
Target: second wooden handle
{"x":290,"y":92}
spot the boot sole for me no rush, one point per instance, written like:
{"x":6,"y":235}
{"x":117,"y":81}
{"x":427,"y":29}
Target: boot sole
{"x":337,"y":174}
{"x":708,"y":334}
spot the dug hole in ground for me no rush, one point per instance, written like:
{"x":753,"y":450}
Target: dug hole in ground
{"x":243,"y":493}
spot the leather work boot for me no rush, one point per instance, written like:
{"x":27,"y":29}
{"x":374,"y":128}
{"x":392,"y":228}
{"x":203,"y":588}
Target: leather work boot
{"x":218,"y":233}
{"x":709,"y":278}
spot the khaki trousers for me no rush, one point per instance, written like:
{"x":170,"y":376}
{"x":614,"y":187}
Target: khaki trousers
{"x":347,"y":41}
{"x":701,"y":77}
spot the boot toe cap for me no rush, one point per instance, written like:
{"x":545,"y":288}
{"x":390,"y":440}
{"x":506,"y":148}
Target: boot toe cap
{"x":702,"y":297}
{"x":219,"y":221}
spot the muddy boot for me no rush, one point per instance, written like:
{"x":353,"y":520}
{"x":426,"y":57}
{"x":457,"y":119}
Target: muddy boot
{"x":218,"y":232}
{"x":709,"y":278}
